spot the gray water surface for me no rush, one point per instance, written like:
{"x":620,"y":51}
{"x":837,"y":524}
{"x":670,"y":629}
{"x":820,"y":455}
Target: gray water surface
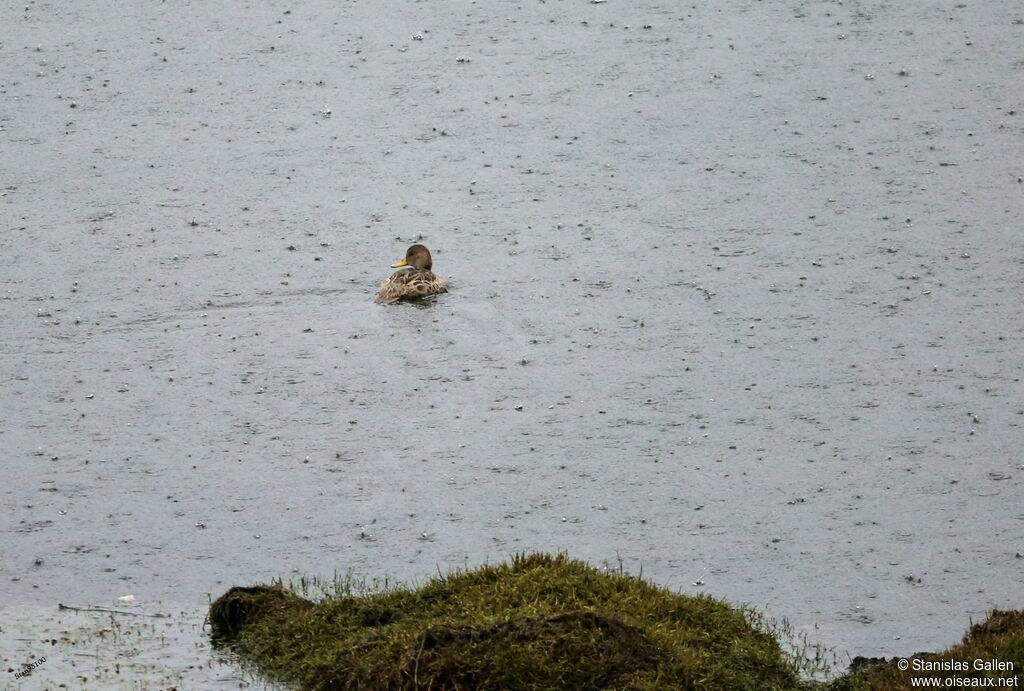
{"x":736,"y":298}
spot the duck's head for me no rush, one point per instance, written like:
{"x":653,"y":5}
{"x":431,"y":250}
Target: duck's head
{"x":417,"y":257}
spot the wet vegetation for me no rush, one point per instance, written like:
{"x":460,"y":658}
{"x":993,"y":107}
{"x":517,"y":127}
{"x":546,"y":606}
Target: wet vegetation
{"x":538,"y":622}
{"x":541,"y":622}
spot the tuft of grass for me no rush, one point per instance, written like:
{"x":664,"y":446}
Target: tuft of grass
{"x":539,"y":621}
{"x":811,"y":661}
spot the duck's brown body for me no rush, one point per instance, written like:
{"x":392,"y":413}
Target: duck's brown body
{"x":414,"y":283}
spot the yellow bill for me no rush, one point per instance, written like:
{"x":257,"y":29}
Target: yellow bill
{"x":399,"y":263}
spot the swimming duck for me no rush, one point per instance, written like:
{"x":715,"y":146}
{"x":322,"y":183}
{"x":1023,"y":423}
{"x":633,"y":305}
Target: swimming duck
{"x":413,"y":283}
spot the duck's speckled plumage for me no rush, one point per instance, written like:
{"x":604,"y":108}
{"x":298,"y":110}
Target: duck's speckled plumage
{"x":413,"y":283}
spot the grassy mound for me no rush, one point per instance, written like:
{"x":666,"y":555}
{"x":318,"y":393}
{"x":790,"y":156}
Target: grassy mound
{"x":539,"y":622}
{"x":549,"y":622}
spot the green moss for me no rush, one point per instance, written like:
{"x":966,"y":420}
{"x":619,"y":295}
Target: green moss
{"x":549,"y":622}
{"x":539,"y":622}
